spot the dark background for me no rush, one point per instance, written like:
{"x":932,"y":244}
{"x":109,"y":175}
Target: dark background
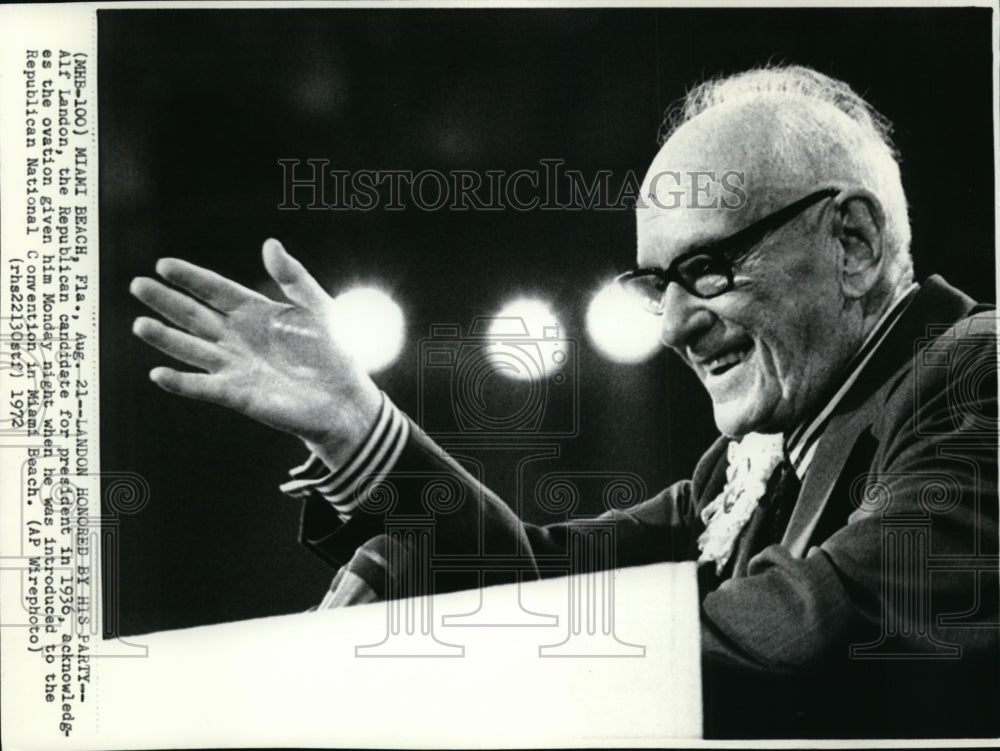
{"x":196,"y":107}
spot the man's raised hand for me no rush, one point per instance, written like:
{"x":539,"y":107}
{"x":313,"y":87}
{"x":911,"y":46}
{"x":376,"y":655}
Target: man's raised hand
{"x":277,"y":363}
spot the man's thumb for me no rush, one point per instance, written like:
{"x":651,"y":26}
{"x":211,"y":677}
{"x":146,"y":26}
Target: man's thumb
{"x":296,"y":283}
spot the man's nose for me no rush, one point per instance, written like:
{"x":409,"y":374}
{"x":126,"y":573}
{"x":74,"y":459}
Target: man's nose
{"x":685,"y":317}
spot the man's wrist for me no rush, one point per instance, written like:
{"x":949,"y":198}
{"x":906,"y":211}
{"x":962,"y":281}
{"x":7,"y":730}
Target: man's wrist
{"x":344,"y":485}
{"x":357,"y":419}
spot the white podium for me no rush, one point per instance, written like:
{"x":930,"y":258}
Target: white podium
{"x":616,"y":663}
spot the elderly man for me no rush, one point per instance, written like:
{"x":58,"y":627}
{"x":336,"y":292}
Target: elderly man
{"x":850,"y":429}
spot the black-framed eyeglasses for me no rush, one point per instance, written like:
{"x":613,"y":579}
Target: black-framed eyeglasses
{"x":707,"y":271}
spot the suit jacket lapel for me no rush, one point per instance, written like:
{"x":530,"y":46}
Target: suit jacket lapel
{"x":832,"y":451}
{"x":935,"y":303}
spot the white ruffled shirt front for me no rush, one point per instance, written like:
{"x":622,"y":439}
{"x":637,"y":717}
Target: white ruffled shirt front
{"x":752,"y":461}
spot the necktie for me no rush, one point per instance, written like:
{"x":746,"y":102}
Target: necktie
{"x":770,"y":519}
{"x":780,"y":503}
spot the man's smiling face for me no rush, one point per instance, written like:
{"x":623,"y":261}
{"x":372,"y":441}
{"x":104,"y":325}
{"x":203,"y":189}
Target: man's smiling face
{"x":767,"y":350}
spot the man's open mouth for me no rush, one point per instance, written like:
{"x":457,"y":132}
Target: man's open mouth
{"x":728,"y":360}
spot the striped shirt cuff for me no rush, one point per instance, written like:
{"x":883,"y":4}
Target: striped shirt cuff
{"x":370,"y":464}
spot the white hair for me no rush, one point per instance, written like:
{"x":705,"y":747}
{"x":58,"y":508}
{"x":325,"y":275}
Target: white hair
{"x":814,"y":140}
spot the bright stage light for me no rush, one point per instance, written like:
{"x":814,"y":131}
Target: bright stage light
{"x":369,"y":325}
{"x":529,"y":342}
{"x":619,"y":326}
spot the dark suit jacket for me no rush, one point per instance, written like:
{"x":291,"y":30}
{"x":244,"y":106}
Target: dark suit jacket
{"x":877,"y":613}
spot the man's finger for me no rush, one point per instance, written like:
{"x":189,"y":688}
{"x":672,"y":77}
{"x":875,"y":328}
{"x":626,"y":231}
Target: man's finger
{"x":178,"y":308}
{"x":192,"y":385}
{"x":177,"y":344}
{"x":221,"y":293}
{"x":296,"y":283}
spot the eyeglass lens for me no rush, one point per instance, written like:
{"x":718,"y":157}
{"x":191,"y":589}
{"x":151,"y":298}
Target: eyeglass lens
{"x":701,"y":275}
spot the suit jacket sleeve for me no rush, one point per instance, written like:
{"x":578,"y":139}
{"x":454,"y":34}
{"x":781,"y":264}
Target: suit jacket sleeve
{"x":427,"y":485}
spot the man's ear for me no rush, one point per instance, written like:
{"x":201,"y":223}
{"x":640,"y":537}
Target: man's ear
{"x":859,"y":228}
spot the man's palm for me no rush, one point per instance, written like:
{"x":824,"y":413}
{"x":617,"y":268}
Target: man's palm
{"x":277,"y":363}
